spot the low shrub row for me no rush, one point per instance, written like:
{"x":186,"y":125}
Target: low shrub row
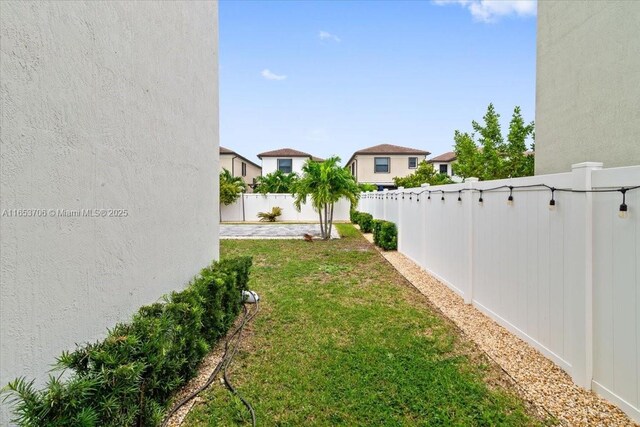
{"x":363,"y":219}
{"x":385,"y":235}
{"x":128,"y":378}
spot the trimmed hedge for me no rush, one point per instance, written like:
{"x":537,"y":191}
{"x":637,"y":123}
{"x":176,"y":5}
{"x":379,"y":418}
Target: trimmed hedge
{"x":385,"y":235}
{"x":128,"y":378}
{"x":353,"y":216}
{"x":365,"y":221}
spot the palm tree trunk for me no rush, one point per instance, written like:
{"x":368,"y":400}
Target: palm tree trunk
{"x":330,"y":221}
{"x":321,"y":227}
{"x":326,"y":221}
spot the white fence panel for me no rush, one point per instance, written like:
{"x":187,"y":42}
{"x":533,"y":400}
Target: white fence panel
{"x":616,"y":289}
{"x":566,"y":280}
{"x":247,"y":207}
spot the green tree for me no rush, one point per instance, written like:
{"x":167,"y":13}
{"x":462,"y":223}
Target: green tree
{"x":424,"y":174}
{"x":490,"y":157}
{"x":325,"y":183}
{"x":367,"y":187}
{"x":517,"y":162}
{"x":276,"y":182}
{"x":468,"y":162}
{"x":230,"y":187}
{"x":492,"y":144}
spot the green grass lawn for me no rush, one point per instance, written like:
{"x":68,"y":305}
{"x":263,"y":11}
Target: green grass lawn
{"x":341,"y":339}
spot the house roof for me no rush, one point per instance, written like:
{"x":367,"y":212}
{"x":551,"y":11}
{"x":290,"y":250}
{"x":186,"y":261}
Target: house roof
{"x":388,"y":149}
{"x":284,"y":152}
{"x":449,"y":156}
{"x":224,"y":150}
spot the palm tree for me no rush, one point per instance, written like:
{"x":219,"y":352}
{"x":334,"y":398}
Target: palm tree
{"x":326,"y":183}
{"x":230,"y":187}
{"x":276,"y":182}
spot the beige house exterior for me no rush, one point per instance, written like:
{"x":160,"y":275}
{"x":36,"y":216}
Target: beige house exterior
{"x":587,"y":84}
{"x":381,"y":163}
{"x":240,"y":166}
{"x":286,"y":160}
{"x":444,"y":163}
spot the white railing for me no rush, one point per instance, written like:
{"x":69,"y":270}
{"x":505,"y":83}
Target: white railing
{"x":565,"y":280}
{"x":246,"y":208}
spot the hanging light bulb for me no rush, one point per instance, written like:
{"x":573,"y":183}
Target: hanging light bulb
{"x":442,"y":198}
{"x":623,"y":212}
{"x":480,"y":200}
{"x":459,"y":195}
{"x":429,"y":196}
{"x":510,"y":198}
{"x":552,"y":202}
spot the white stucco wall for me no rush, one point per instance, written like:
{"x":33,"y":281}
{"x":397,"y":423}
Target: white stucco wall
{"x":105,"y":105}
{"x":587,"y":84}
{"x":270,"y":164}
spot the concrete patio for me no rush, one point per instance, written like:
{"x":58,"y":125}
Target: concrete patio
{"x":272,"y":231}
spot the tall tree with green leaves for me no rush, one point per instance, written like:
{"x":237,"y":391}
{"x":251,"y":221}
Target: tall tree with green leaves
{"x":276,"y":182}
{"x":325,"y":183}
{"x":424,"y":174}
{"x":231,"y":187}
{"x":517,"y":161}
{"x":490,"y":157}
{"x":492,"y":144}
{"x":468,"y":162}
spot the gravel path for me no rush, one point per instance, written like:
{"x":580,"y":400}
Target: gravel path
{"x":539,"y":380}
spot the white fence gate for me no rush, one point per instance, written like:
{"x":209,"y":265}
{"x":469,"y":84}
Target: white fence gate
{"x":566,"y":280}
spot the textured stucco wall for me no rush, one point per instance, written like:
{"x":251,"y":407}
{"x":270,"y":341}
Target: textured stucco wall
{"x":108,"y":105}
{"x":588,"y":84}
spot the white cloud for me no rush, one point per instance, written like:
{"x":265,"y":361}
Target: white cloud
{"x":493,"y":10}
{"x":325,"y":35}
{"x":267,"y":74}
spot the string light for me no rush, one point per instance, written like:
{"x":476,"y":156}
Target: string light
{"x":623,"y":212}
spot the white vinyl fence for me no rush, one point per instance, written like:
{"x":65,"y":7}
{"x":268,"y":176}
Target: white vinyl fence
{"x":566,"y":280}
{"x":246,"y":208}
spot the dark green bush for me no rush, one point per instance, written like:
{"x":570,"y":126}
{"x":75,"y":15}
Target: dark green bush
{"x":353,"y":216}
{"x":128,"y":378}
{"x":385,"y":235}
{"x":365,"y":221}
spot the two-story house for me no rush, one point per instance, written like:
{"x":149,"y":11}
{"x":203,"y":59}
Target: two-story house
{"x":239,"y":166}
{"x":286,"y":160}
{"x":381,"y":163}
{"x":444,"y":163}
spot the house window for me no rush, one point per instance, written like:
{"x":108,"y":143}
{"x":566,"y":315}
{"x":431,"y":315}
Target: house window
{"x":381,"y":164}
{"x":413,"y":162}
{"x":444,"y":169}
{"x":285,"y":165}
{"x":244,"y":169}
{"x":353,"y":168}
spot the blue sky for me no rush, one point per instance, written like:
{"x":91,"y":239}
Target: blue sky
{"x":332,"y":77}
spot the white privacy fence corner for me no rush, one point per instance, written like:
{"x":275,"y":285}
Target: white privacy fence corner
{"x":557,"y":263}
{"x":246,"y":208}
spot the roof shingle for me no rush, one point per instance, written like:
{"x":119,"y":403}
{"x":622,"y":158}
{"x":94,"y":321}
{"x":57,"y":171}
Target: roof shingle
{"x":449,"y":156}
{"x":282,"y":152}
